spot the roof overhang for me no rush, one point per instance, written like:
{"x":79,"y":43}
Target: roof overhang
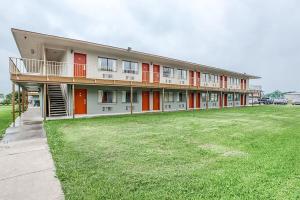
{"x":30,"y":45}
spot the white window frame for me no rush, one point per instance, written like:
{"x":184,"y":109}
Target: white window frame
{"x":106,"y":68}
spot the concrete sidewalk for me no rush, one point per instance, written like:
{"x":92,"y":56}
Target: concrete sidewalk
{"x":26,"y":167}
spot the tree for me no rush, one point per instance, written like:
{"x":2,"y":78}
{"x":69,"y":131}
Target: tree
{"x":275,"y":95}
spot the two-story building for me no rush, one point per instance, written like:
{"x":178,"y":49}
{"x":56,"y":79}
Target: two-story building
{"x":79,"y":78}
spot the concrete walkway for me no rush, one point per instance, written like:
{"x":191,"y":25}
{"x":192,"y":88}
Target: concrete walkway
{"x":26,"y":167}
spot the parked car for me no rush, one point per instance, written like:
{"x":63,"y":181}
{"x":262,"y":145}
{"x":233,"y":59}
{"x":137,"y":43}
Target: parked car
{"x":265,"y":100}
{"x":296,"y":102}
{"x":280,"y":101}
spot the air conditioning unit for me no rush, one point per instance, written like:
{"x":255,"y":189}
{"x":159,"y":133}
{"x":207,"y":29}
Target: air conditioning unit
{"x":129,"y":78}
{"x":107,"y":109}
{"x":128,"y":107}
{"x":107,"y":75}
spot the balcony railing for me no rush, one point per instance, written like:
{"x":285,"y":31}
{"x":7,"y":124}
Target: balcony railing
{"x":25,"y":66}
{"x":33,"y":67}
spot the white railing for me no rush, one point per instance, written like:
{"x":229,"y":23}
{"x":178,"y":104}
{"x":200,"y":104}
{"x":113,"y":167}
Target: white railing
{"x":45,"y":68}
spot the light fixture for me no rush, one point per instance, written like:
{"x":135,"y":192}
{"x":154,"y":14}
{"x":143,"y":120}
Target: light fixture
{"x":32,"y":51}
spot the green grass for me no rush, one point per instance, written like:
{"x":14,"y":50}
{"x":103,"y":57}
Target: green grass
{"x":5,"y":119}
{"x":247,"y":153}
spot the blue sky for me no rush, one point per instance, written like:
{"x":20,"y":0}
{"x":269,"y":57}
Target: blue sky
{"x":252,"y":36}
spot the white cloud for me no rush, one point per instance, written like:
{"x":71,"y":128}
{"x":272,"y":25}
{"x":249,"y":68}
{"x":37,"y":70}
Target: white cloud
{"x":258,"y":37}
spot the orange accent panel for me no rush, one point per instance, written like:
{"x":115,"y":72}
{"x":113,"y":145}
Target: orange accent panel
{"x":156,"y":100}
{"x":145,"y":101}
{"x":80,"y":101}
{"x":79,"y":65}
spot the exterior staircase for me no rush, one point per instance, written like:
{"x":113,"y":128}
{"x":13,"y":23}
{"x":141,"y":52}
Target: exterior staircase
{"x":56,"y":101}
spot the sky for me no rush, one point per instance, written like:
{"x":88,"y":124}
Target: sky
{"x":252,"y":36}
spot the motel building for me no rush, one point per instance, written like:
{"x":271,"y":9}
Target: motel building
{"x":77,"y":78}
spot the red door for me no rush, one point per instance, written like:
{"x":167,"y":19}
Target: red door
{"x":221,"y":101}
{"x":221,"y":81}
{"x":145,"y":71}
{"x":242,"y":99}
{"x":225,"y":81}
{"x":79,"y":65}
{"x":225,"y":100}
{"x":80,"y":101}
{"x":242,"y":84}
{"x":198,"y":100}
{"x":198,"y":79}
{"x":145,"y":101}
{"x":156,"y":73}
{"x":191,"y":100}
{"x":191,"y":78}
{"x":156,"y":100}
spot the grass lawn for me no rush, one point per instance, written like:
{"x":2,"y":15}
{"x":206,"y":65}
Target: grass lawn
{"x":241,"y":153}
{"x":5,"y":119}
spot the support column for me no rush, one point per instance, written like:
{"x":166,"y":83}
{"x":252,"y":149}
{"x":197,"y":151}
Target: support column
{"x":206,"y":99}
{"x":23,"y":100}
{"x":26,"y":99}
{"x":163,"y":100}
{"x":131,"y":99}
{"x":234,"y":99}
{"x":186,"y":99}
{"x":45,"y":102}
{"x":73,"y":101}
{"x":19,"y":100}
{"x":13,"y":103}
{"x":221,"y":100}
